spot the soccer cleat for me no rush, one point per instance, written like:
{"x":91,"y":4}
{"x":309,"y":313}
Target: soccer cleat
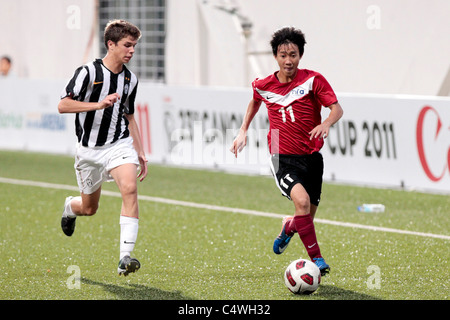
{"x":67,"y":223}
{"x":128,"y":265}
{"x":323,"y":266}
{"x":281,"y":242}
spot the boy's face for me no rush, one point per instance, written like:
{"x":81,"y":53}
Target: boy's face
{"x":4,"y":67}
{"x":288,"y":58}
{"x":123,"y":50}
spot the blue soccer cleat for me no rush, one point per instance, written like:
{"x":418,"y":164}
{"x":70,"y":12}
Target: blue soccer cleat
{"x":323,"y":266}
{"x":281,"y":242}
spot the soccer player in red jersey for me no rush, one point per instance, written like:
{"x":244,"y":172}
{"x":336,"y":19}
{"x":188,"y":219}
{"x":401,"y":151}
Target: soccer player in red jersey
{"x":294,"y":99}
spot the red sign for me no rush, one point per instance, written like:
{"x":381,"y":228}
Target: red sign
{"x":420,"y":144}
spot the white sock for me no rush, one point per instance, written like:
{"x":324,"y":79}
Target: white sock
{"x":68,"y":208}
{"x":128,"y":234}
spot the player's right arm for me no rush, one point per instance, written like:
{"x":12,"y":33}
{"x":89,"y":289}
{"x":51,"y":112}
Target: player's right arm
{"x":69,"y":105}
{"x":241,"y":140}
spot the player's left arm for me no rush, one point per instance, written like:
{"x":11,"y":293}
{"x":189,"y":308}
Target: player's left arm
{"x":321,"y":131}
{"x":134,"y":132}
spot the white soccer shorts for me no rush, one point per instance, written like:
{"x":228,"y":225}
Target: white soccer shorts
{"x":92,"y":165}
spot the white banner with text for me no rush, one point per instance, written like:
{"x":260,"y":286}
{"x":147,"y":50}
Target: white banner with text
{"x":388,"y":141}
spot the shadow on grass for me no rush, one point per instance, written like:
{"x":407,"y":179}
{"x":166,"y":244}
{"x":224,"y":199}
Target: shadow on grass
{"x":142,"y":292}
{"x":329,"y":292}
{"x":137,"y":291}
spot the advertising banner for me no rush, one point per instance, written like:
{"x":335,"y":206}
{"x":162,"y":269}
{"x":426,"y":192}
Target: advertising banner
{"x":398,"y":141}
{"x":29,"y":118}
{"x":386,"y":141}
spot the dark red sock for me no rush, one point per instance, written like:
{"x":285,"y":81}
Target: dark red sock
{"x":305,"y":228}
{"x":289,"y":229}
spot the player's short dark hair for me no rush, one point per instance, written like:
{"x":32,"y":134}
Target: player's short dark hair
{"x":116,"y":30}
{"x":288,"y":35}
{"x":7,"y":58}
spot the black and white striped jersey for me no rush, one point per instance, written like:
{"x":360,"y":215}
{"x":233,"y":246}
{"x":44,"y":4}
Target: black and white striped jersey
{"x":92,"y":83}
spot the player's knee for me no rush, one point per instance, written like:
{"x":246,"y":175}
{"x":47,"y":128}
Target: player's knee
{"x":128,"y":189}
{"x":302,"y":205}
{"x":90,"y":210}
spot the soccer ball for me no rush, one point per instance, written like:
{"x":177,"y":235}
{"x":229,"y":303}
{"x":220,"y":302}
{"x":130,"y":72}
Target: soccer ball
{"x":302,"y":276}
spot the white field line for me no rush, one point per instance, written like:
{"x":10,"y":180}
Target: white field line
{"x":222,"y":209}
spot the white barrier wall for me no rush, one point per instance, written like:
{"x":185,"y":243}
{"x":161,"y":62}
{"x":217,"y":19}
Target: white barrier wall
{"x":388,"y":141}
{"x":29,"y":119}
{"x":393,"y":141}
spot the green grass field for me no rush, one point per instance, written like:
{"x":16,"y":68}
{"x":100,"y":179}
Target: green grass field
{"x":195,"y":253}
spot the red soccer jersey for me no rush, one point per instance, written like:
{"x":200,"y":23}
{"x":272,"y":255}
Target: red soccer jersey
{"x":294,"y":110}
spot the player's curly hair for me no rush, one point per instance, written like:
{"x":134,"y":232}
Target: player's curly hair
{"x":288,"y":35}
{"x":116,"y":30}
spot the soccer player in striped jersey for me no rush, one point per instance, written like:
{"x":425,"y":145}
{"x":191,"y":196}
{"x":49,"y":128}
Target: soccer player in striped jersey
{"x":294,"y":98}
{"x":102,"y":95}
